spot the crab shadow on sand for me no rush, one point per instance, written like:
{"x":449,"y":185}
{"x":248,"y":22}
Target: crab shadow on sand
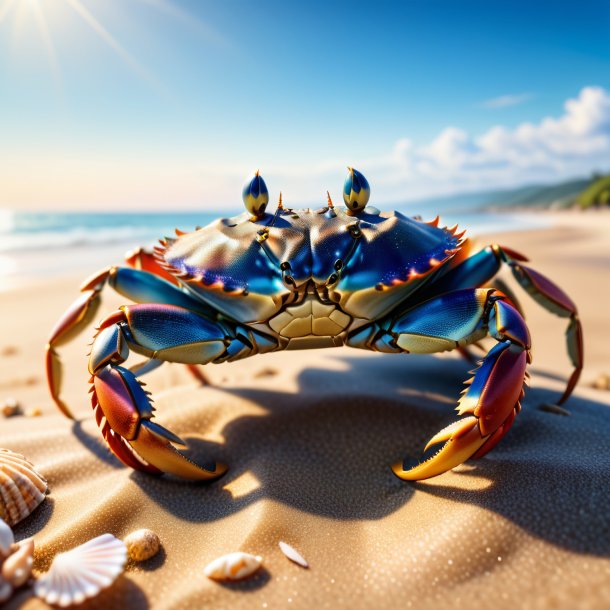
{"x":326,"y":450}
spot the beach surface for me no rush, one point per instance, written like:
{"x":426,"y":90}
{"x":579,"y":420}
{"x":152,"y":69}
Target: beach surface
{"x":309,"y":437}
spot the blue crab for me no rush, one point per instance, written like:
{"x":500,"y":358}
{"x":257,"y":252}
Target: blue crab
{"x":262,"y":282}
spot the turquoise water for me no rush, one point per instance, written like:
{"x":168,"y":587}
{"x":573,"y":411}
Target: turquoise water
{"x":45,"y":245}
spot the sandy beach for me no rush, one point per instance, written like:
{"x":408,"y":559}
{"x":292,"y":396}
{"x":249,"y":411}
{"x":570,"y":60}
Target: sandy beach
{"x":309,"y":437}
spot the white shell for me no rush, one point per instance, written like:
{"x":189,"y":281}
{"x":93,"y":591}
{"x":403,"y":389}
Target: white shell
{"x":83,"y":572}
{"x":22,"y":488}
{"x":233,"y":566}
{"x":293,"y":554}
{"x":6,"y":539}
{"x":17,"y":568}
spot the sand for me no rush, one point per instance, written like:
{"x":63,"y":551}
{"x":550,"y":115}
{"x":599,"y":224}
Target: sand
{"x":309,"y":437}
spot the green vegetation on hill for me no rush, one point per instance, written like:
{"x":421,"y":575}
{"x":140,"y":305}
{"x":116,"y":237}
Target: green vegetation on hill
{"x":582,"y":192}
{"x":597,"y":193}
{"x":542,"y":196}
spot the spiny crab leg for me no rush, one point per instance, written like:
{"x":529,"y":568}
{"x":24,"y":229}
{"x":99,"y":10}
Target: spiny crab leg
{"x":491,"y":398}
{"x":74,"y":321}
{"x":554,"y":299}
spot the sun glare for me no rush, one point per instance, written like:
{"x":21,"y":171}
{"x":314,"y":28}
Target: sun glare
{"x":37,"y":11}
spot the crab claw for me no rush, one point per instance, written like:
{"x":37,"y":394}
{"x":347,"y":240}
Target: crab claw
{"x":124,"y":414}
{"x":490,"y":401}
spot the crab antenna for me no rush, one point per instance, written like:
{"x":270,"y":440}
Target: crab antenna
{"x":330,"y":201}
{"x":280,"y":205}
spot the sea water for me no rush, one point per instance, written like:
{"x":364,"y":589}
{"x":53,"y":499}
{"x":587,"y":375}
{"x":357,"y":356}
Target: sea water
{"x":40,"y":245}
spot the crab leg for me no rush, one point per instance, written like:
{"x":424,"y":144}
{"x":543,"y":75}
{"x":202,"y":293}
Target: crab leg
{"x":139,"y":286}
{"x":491,"y":399}
{"x":481,"y":268}
{"x":122,"y":408}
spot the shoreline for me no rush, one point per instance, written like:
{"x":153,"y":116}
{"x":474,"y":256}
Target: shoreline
{"x":24,"y":268}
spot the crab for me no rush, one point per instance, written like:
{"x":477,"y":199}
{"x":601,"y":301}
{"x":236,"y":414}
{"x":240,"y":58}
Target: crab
{"x":300,"y":278}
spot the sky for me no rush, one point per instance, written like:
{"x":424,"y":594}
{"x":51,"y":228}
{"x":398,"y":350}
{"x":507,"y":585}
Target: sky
{"x":171,"y":104}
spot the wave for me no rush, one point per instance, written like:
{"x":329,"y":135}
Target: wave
{"x":77,"y":237}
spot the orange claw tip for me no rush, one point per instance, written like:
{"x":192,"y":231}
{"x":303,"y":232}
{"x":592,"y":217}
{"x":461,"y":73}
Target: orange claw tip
{"x":162,"y":455}
{"x":453,"y":453}
{"x":454,"y":430}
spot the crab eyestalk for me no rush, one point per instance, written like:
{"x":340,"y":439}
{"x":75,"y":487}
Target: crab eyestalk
{"x":356,"y":191}
{"x":256,"y":196}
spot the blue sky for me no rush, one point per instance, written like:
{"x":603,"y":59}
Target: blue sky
{"x":158,"y":103}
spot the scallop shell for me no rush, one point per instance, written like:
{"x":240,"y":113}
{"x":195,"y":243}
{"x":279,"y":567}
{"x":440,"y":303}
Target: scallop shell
{"x":22,"y":488}
{"x":293,"y":554}
{"x":233,"y":566}
{"x":83,"y":572}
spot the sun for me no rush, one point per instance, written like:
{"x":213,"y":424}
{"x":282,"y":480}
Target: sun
{"x":36,"y":11}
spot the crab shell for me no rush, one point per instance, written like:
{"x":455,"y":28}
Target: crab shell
{"x":248,"y":268}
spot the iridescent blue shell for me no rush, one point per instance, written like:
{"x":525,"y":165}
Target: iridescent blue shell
{"x":235,"y":264}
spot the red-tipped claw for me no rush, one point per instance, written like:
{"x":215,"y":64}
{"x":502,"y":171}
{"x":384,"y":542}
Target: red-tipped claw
{"x":490,"y":402}
{"x":123,"y":412}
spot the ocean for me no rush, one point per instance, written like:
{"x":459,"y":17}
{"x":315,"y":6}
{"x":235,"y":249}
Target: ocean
{"x":39,"y":245}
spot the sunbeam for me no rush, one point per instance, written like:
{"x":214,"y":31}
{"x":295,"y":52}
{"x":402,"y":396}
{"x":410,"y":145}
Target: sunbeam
{"x":45,"y":33}
{"x":189,"y":20}
{"x":112,"y":42}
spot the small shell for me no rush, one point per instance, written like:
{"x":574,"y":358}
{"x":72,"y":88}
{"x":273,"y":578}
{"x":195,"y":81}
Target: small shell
{"x":293,"y":554}
{"x":6,"y":539}
{"x":83,"y":572}
{"x":602,"y":382}
{"x":10,"y":407}
{"x":34,"y":412}
{"x":17,"y":568}
{"x":142,"y":544}
{"x":233,"y":566}
{"x":22,"y":488}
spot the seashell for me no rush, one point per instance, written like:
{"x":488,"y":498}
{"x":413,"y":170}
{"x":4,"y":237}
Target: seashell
{"x":34,"y":412}
{"x":83,"y":572}
{"x":233,"y":566}
{"x":17,"y":568}
{"x":142,"y":544}
{"x":22,"y":488}
{"x":6,"y":539}
{"x":293,"y":554}
{"x":602,"y":382}
{"x":10,"y":407}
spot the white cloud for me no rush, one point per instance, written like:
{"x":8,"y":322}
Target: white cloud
{"x":572,"y":144}
{"x":504,"y":101}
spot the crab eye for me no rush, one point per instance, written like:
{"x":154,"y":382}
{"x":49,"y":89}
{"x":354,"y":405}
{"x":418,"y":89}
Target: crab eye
{"x":255,"y":195}
{"x":356,"y":191}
